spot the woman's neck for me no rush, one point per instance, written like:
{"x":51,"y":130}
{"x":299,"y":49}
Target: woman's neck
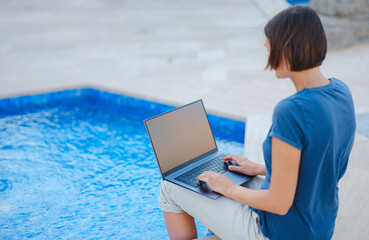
{"x":308,"y":79}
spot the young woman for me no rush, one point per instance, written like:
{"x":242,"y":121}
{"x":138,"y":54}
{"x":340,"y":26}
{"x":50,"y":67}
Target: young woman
{"x":306,"y":151}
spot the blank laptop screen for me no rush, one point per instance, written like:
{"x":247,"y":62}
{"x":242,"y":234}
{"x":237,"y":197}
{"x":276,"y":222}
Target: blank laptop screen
{"x":180,"y":135}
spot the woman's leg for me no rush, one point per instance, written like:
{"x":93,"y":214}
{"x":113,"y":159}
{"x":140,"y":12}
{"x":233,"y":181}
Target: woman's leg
{"x":180,"y":226}
{"x":227,"y":218}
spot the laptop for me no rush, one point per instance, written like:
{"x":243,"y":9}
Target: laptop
{"x":184,"y":147}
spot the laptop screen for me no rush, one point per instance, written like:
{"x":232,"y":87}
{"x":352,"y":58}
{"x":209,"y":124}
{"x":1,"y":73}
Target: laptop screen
{"x":180,"y":135}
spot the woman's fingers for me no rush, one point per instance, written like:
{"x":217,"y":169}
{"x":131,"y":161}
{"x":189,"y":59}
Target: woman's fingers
{"x":234,"y":168}
{"x":234,"y":157}
{"x":203,"y":177}
{"x":228,"y":158}
{"x":206,"y":175}
{"x":217,"y":182}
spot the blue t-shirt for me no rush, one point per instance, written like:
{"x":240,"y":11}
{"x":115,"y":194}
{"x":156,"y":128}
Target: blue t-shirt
{"x":321,"y":123}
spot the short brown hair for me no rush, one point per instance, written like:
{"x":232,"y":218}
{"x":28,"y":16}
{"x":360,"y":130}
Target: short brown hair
{"x":296,"y":35}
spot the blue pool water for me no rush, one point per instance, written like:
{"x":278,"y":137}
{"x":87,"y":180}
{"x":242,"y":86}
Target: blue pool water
{"x":78,"y":165}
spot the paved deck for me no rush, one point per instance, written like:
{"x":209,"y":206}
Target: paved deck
{"x":173,"y":52}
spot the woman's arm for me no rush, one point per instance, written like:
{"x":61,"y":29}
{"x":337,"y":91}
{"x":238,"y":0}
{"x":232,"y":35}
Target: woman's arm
{"x":279,"y":197}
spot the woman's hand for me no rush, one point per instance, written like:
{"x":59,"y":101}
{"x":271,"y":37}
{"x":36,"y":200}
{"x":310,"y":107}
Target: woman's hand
{"x":246,"y":166}
{"x":217,"y":182}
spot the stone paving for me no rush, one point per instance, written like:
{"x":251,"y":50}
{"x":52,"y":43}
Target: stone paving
{"x":174,"y":52}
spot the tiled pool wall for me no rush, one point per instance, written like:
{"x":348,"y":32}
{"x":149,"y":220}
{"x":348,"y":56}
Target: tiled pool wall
{"x":224,"y":127}
{"x":294,"y":2}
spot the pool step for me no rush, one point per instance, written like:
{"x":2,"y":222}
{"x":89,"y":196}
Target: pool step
{"x":257,"y":128}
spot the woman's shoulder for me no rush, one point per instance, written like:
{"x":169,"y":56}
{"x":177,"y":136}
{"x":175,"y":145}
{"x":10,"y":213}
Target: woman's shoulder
{"x":287,"y":107}
{"x":317,"y":95}
{"x":286,"y":104}
{"x":340,"y":85}
{"x":315,"y":100}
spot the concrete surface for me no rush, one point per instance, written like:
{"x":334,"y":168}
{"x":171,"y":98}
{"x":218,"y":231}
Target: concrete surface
{"x":342,"y":8}
{"x":346,"y":22}
{"x":172,"y":52}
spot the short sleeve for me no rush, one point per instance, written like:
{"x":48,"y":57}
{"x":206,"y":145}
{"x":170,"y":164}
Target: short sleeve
{"x":288,"y":124}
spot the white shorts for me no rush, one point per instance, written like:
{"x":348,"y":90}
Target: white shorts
{"x":227,"y":218}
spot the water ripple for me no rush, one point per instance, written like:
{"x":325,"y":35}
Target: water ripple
{"x":4,"y":185}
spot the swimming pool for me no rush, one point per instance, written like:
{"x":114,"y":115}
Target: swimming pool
{"x":78,"y":164}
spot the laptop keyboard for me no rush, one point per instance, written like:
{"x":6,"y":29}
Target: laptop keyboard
{"x":216,"y":164}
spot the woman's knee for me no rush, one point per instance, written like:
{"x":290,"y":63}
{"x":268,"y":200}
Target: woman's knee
{"x":166,"y":200}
